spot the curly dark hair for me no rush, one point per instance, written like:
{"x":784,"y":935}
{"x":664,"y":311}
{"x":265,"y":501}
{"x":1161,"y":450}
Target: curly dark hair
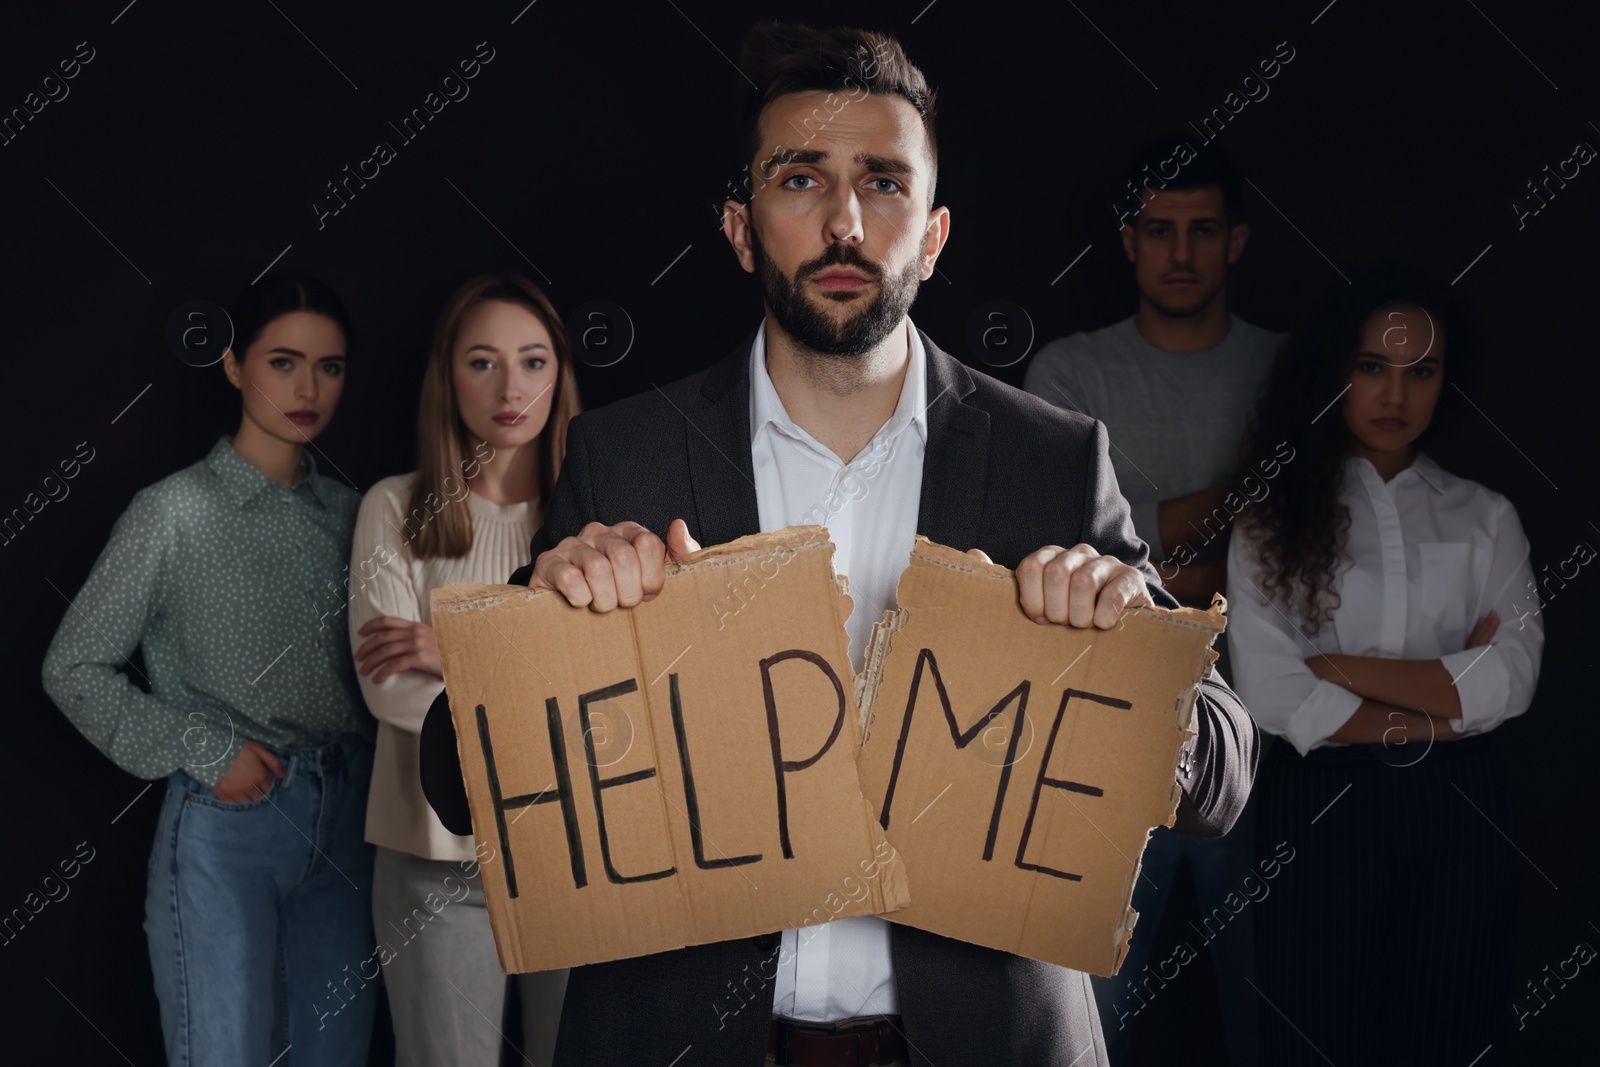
{"x":1301,"y":526}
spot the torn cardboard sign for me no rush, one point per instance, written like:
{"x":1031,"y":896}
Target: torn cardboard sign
{"x":1019,"y":768}
{"x":670,"y":774}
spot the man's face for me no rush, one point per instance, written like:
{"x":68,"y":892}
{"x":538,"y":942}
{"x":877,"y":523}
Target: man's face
{"x":839,"y":227}
{"x":1181,"y":247}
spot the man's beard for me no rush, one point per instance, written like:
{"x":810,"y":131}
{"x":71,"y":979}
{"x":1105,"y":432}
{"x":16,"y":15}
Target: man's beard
{"x":815,"y":330}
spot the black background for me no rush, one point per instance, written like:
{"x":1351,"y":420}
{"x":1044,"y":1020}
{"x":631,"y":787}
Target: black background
{"x":592,"y":154}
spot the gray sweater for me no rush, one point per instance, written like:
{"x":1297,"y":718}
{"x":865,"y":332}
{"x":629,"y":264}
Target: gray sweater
{"x":1176,"y":419}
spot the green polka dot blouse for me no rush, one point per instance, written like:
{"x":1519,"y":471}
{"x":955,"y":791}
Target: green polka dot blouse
{"x":233,"y":585}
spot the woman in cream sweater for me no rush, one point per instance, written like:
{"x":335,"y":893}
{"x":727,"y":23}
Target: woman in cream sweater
{"x":496,"y":399}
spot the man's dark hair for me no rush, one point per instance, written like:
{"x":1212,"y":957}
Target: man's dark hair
{"x":1208,"y":165}
{"x":783,"y":58}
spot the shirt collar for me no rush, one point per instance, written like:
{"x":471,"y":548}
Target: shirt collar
{"x":242,"y":481}
{"x":1422,"y":467}
{"x":1429,"y":471}
{"x":912,"y":409}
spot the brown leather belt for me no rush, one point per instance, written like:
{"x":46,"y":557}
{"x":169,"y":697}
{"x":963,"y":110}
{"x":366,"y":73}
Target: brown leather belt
{"x":874,"y":1041}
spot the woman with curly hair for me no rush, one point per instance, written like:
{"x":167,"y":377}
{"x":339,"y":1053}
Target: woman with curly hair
{"x":1373,"y":626}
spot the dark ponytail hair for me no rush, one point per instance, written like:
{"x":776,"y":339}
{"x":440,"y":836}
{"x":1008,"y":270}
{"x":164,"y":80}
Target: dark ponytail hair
{"x":1300,"y":526}
{"x":279,"y":293}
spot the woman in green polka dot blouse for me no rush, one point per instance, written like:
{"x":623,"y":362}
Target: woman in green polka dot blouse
{"x":259,"y":880}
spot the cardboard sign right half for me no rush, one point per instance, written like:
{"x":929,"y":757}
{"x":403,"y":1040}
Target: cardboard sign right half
{"x":1019,"y":768}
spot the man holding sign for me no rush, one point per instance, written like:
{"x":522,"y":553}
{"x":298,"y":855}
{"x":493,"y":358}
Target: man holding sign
{"x":837,"y":411}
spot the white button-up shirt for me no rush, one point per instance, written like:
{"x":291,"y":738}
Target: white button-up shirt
{"x":842,"y":968}
{"x":1428,"y":554}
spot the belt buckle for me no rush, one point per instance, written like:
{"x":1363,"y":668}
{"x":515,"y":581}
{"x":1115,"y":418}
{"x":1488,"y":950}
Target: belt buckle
{"x":868,"y":1039}
{"x":869,"y":1045}
{"x":785,"y":1027}
{"x":865,"y":1039}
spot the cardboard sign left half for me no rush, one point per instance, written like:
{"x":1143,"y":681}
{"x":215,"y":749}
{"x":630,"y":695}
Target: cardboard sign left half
{"x":671,"y":774}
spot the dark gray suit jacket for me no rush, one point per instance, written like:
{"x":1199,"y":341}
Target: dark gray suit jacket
{"x":1005,"y":472}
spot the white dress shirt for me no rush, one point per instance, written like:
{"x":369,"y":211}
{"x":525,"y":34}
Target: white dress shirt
{"x":841,"y":969}
{"x":1428,"y":553}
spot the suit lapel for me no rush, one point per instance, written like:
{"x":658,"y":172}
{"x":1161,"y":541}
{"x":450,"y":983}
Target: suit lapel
{"x":721,"y":476}
{"x":955,"y":466}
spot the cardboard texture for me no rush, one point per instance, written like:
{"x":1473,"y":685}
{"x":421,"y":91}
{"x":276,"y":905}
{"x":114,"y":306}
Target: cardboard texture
{"x":676,"y":773}
{"x":1020,"y":768}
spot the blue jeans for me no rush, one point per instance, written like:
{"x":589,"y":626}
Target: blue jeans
{"x":1219,"y":866}
{"x":256,"y":913}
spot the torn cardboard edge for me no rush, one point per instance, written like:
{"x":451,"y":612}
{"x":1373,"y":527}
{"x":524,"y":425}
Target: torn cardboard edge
{"x":741,"y":552}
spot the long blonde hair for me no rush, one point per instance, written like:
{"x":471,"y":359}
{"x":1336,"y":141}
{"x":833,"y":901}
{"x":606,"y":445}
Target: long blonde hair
{"x":442,"y":437}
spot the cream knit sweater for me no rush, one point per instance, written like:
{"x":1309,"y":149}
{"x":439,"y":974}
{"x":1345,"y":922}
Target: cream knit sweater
{"x":398,"y":815}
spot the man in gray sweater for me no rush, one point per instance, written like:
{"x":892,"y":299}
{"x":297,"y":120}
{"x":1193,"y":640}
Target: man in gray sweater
{"x":1176,"y":384}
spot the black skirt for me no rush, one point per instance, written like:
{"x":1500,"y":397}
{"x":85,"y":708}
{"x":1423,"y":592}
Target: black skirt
{"x":1387,"y":938}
